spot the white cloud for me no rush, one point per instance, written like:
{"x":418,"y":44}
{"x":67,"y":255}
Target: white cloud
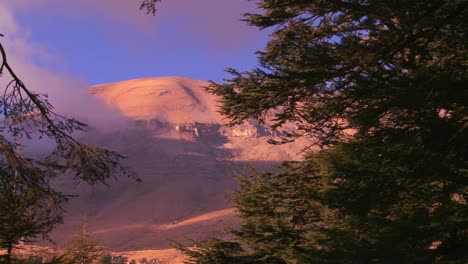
{"x":31,"y":61}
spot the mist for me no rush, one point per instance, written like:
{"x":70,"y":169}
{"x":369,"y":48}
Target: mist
{"x":43,"y":72}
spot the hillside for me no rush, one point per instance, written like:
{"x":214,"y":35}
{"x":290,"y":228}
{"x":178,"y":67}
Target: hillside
{"x":187,"y":160}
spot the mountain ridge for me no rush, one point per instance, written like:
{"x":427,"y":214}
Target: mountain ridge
{"x":186,"y":157}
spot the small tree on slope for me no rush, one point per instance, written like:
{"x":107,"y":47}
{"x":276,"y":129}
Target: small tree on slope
{"x":84,"y":249}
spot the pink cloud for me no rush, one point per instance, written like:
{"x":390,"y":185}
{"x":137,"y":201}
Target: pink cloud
{"x":30,"y":61}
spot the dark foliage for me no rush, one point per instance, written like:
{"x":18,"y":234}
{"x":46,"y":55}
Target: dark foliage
{"x":30,"y":207}
{"x":106,"y":259}
{"x":380,"y":86}
{"x":149,"y":6}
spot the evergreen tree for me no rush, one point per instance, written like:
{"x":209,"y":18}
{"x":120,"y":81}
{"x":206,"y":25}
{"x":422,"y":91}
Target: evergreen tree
{"x":380,"y":86}
{"x":29,"y":206}
{"x":216,"y":251}
{"x":84,"y":249}
{"x":106,"y":259}
{"x":26,"y":213}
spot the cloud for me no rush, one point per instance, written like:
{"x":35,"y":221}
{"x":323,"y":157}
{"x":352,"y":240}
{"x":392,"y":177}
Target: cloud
{"x":36,"y":67}
{"x":214,"y":23}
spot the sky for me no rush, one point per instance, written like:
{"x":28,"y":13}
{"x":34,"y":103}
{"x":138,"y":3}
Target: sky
{"x":91,"y":42}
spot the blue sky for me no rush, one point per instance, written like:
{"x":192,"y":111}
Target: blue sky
{"x":110,"y":40}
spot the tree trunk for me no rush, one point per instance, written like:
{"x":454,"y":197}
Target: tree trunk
{"x":9,"y":251}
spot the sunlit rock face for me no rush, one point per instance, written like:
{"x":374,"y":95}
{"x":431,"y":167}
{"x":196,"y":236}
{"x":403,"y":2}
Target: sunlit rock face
{"x":172,"y":103}
{"x":186,"y":156}
{"x":246,"y":130}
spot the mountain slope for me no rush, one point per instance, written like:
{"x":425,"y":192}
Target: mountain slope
{"x":170,"y":99}
{"x":187,"y":160}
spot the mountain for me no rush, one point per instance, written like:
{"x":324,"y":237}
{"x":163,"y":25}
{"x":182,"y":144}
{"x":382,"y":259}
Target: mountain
{"x":186,"y":157}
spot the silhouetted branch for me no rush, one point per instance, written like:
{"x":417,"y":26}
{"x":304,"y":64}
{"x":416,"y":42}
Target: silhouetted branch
{"x":29,"y":206}
{"x":150,"y":6}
